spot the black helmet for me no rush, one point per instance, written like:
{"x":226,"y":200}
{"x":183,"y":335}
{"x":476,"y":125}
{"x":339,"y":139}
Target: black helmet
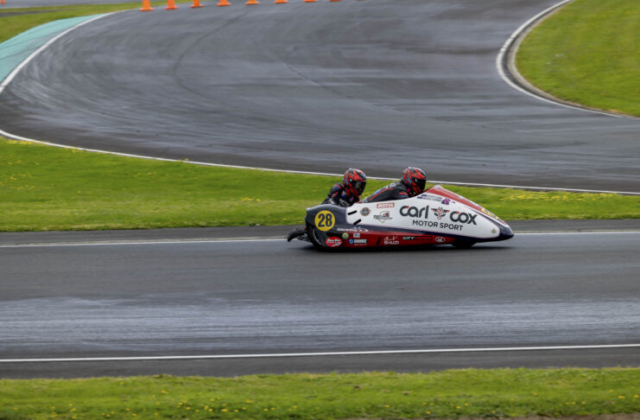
{"x":354,"y":181}
{"x":415,"y":179}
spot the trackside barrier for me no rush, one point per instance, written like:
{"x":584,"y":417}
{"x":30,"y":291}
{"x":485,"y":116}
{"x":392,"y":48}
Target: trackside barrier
{"x":196,"y":3}
{"x":171,"y":5}
{"x":146,"y":6}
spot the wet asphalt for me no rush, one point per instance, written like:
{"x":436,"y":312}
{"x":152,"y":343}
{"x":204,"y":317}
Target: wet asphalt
{"x":319,"y":87}
{"x":269,"y":296}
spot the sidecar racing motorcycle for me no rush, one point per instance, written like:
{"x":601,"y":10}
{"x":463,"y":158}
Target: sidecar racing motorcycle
{"x":435,"y":217}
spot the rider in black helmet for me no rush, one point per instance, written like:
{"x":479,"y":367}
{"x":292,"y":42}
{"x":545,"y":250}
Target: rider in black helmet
{"x":412,"y":183}
{"x":349,"y":191}
{"x":345,"y":194}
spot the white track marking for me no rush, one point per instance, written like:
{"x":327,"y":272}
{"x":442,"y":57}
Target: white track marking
{"x":320,"y":354}
{"x":270,"y":239}
{"x":500,"y":60}
{"x":13,"y":74}
{"x":33,"y":55}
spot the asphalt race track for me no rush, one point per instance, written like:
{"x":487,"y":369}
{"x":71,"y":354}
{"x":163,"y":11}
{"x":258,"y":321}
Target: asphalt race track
{"x":319,"y":87}
{"x":316,"y":87}
{"x":123,"y":299}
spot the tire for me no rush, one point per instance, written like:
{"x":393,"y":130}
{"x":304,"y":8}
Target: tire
{"x":463,"y":244}
{"x":312,"y":233}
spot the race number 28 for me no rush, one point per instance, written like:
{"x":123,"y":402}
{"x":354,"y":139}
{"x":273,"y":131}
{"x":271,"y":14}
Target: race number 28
{"x":325,"y":220}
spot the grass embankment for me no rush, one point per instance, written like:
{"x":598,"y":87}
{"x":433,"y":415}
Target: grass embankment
{"x":587,"y":53}
{"x":448,"y":394}
{"x":48,"y":188}
{"x":13,"y":22}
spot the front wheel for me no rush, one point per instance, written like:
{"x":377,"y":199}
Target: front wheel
{"x":313,"y":233}
{"x":463,"y":244}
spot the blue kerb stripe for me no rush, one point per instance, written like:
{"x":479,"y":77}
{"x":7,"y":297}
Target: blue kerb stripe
{"x":15,"y":50}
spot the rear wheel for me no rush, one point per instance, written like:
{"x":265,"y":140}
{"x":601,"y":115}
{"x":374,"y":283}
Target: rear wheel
{"x":463,"y":244}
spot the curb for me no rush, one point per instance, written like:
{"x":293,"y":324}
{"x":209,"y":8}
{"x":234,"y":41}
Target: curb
{"x":506,"y":63}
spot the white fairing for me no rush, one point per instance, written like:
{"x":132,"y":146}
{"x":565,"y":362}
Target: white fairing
{"x":426,"y":213}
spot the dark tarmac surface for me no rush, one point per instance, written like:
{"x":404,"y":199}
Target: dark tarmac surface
{"x":277,"y":297}
{"x":319,"y":87}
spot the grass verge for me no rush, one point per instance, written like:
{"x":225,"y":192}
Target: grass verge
{"x":587,"y":53}
{"x":46,"y":188}
{"x":447,"y":394}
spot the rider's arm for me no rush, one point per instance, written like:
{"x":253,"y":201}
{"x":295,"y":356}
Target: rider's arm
{"x":334,"y":195}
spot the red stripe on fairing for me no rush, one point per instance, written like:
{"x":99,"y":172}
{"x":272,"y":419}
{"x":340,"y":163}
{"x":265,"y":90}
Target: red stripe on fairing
{"x":438,"y":190}
{"x":377,"y":239}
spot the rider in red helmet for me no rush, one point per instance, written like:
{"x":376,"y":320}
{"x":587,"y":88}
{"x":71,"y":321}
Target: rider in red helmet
{"x":412,"y":183}
{"x":347,"y":192}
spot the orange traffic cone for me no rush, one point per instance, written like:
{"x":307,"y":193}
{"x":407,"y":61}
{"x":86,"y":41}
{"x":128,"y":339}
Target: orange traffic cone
{"x":281,"y":2}
{"x":310,"y":1}
{"x":146,"y":6}
{"x":171,"y":5}
{"x":1,"y":1}
{"x":252,"y":2}
{"x":196,"y":3}
{"x":224,"y":3}
{"x":334,"y":0}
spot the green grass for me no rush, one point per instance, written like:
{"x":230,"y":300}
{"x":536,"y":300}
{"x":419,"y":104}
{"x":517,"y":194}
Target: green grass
{"x":44,"y":188}
{"x":47,"y":188}
{"x":588,"y":53}
{"x":448,"y":394}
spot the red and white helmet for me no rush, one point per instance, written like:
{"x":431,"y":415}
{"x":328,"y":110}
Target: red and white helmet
{"x":415,"y":179}
{"x":354,"y":181}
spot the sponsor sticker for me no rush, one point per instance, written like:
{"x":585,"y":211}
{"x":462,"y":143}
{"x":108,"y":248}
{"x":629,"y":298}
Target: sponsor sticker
{"x":356,"y":235}
{"x":494,"y":231}
{"x":385,"y":205}
{"x":439,"y":239}
{"x":440,"y":212}
{"x":345,"y":236}
{"x":446,"y":201}
{"x":430,"y":197}
{"x":415,"y":212}
{"x":450,"y":226}
{"x":333,"y":242}
{"x":353,"y":229}
{"x":365,"y":211}
{"x":325,"y":220}
{"x":383,"y":217}
{"x":351,"y":241}
{"x":360,"y":241}
{"x":390,"y":240}
{"x":408,"y":238}
{"x":462,"y":217}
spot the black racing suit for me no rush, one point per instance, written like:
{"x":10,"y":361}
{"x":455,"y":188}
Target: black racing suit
{"x":337,"y":195}
{"x":393,"y":191}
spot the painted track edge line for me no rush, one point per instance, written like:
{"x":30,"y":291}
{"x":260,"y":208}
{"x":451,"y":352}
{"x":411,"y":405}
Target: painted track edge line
{"x":7,"y":80}
{"x":505,"y":63}
{"x":14,"y":73}
{"x":288,"y":171}
{"x":268,"y":239}
{"x":320,"y":354}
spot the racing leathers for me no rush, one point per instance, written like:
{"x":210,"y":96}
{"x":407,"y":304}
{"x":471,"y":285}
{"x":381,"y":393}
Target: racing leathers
{"x":338,"y":195}
{"x":393,"y":191}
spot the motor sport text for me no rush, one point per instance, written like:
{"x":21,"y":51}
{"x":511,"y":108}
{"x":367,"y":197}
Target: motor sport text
{"x":422,"y":216}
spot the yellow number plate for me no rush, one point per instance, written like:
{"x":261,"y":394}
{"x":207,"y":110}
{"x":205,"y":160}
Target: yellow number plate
{"x":325,"y":220}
